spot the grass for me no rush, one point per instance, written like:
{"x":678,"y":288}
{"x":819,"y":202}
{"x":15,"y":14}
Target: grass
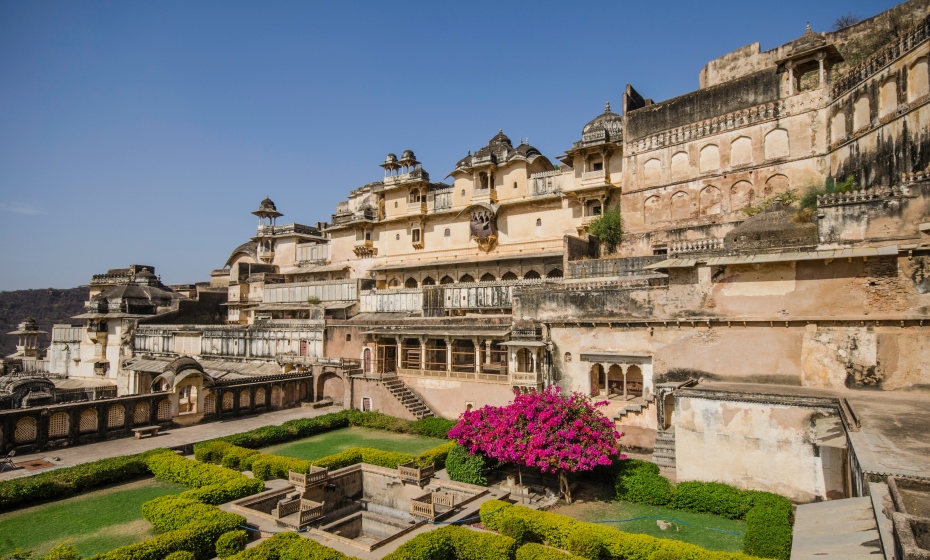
{"x":696,"y":529}
{"x":94,"y":522}
{"x":318,"y":446}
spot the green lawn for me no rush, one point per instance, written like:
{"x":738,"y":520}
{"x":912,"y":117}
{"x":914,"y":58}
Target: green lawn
{"x":698,"y":528}
{"x":94,"y":522}
{"x":318,"y":446}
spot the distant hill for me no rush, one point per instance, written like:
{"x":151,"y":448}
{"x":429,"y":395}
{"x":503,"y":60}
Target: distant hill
{"x":47,"y":306}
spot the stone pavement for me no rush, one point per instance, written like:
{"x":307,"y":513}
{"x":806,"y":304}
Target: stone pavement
{"x":836,"y":529}
{"x":70,"y":456}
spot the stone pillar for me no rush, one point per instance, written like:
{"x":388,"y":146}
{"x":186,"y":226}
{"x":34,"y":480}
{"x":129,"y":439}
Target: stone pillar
{"x":823,"y":74}
{"x":422,"y":353}
{"x":400,"y":352}
{"x":624,"y":367}
{"x":477,"y":355}
{"x":448,"y":355}
{"x":790,"y":67}
{"x":487,"y":352}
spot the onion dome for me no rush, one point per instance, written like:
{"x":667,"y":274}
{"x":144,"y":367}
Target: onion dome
{"x":500,"y":140}
{"x":266,"y":208}
{"x":391,"y":158}
{"x":607,"y":126}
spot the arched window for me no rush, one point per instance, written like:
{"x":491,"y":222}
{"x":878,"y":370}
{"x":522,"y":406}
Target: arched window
{"x":466,"y":278}
{"x":514,"y":184}
{"x":554,"y":273}
{"x":428,"y":281}
{"x":463,"y":192}
{"x":538,"y":222}
{"x":488,"y":277}
{"x":509,"y":276}
{"x":410,"y":283}
{"x":447,"y":233}
{"x":447,"y":280}
{"x":531,"y":275}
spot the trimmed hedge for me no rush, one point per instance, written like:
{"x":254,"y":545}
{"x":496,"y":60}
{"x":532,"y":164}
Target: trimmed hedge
{"x":456,"y":543}
{"x":210,"y":484}
{"x":464,"y":467}
{"x":592,"y":541}
{"x":172,"y":512}
{"x":231,"y":543}
{"x":533,"y":551}
{"x":432,"y":427}
{"x":290,"y":546}
{"x":768,"y":516}
{"x":64,"y":482}
{"x":196,"y":537}
{"x":180,"y":555}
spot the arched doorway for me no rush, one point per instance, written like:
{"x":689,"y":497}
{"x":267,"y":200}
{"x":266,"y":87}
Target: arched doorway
{"x":366,"y":360}
{"x":330,"y":385}
{"x":634,"y":381}
{"x":524,"y":361}
{"x":615,"y":380}
{"x":598,"y":379}
{"x":187,"y":399}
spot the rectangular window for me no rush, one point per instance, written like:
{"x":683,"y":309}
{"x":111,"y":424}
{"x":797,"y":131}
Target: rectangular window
{"x":366,"y":404}
{"x":415,"y":234}
{"x":599,"y":166}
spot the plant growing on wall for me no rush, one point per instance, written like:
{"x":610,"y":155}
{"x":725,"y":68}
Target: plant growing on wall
{"x":608,"y":228}
{"x":544,"y":429}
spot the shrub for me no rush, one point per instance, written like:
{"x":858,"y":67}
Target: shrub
{"x":61,"y":483}
{"x":274,"y":466}
{"x":290,"y":546}
{"x":768,"y":526}
{"x":640,"y":482}
{"x":168,"y":513}
{"x":515,"y":528}
{"x":608,"y":228}
{"x":432,"y":427}
{"x":590,"y":539}
{"x":464,"y":467}
{"x":210,"y":484}
{"x":231,"y":543}
{"x":435,"y":456}
{"x":456,"y":543}
{"x":196,"y":537}
{"x":711,"y":497}
{"x":533,"y":551}
{"x":180,"y":555}
{"x":380,"y":421}
{"x":768,"y":516}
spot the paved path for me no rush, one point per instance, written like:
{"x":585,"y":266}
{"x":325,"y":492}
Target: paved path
{"x":70,"y":456}
{"x":836,"y":529}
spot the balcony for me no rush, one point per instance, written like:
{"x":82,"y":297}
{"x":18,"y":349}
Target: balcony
{"x":416,"y":208}
{"x":363,"y":215}
{"x":487,"y":196}
{"x":593,"y":177}
{"x":364,"y":248}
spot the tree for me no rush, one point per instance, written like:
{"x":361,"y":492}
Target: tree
{"x":608,"y":228}
{"x":544,"y":429}
{"x":843,"y":22}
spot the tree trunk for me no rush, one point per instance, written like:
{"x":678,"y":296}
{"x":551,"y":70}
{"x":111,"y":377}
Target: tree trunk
{"x":563,"y":487}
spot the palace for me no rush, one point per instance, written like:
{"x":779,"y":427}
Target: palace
{"x":753,"y":320}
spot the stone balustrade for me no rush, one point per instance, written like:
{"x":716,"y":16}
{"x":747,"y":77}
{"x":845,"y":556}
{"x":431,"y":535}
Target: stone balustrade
{"x":883,"y":57}
{"x":695,"y":246}
{"x":861,"y":195}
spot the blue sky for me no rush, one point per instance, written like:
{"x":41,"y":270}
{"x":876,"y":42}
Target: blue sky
{"x":145,"y":132}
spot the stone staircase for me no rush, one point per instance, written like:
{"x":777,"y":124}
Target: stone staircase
{"x":636,"y":407}
{"x":407,"y":397}
{"x":663,"y":454}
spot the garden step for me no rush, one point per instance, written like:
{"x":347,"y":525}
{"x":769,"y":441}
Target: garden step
{"x":664,"y":462}
{"x":668,"y":454}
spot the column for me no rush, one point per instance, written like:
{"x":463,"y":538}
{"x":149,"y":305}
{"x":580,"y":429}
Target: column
{"x":487,"y":352}
{"x":790,"y":67}
{"x":422,"y":353}
{"x":823,"y":74}
{"x":624,"y":367}
{"x":448,"y":355}
{"x":400,"y":353}
{"x":477,"y":355}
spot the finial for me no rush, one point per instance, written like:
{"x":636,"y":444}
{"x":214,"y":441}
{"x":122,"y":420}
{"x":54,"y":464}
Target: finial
{"x":808,"y":30}
{"x":608,"y":107}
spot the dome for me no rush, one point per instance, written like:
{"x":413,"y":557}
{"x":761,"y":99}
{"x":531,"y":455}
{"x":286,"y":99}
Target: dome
{"x":28,"y":324}
{"x":408,"y":154}
{"x":267,"y":205}
{"x":608,"y":122}
{"x":391,"y":158}
{"x":145,"y":278}
{"x":500,"y":139}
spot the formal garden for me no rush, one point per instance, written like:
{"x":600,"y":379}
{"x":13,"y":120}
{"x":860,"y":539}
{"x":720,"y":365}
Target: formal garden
{"x":160,"y":504}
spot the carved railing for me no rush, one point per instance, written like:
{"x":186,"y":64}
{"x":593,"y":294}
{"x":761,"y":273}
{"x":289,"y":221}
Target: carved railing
{"x":287,"y":507}
{"x":861,"y":195}
{"x":443,"y":499}
{"x":696,"y":246}
{"x":730,"y":121}
{"x":317,"y":475}
{"x":524,"y":378}
{"x":310,"y":511}
{"x":884,"y":56}
{"x":423,"y":507}
{"x":411,"y":473}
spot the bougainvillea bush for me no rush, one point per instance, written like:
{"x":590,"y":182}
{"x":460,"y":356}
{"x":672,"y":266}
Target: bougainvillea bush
{"x":555,"y":432}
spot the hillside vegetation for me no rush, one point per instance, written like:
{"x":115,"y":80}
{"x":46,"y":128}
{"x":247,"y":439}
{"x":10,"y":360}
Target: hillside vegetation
{"x":47,"y":306}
